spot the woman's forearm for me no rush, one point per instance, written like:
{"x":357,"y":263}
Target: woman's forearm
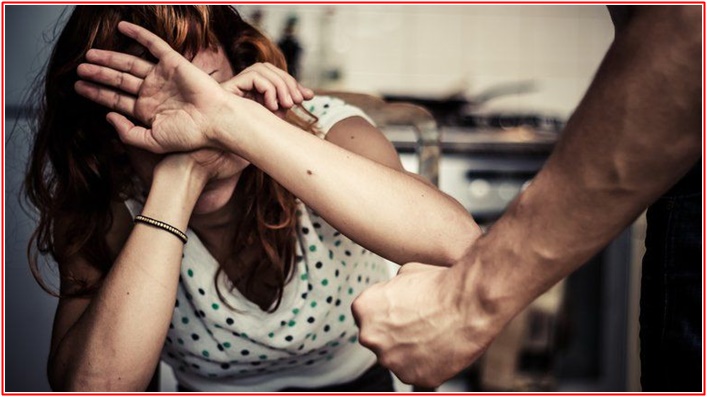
{"x":385,"y":210}
{"x":116,"y":342}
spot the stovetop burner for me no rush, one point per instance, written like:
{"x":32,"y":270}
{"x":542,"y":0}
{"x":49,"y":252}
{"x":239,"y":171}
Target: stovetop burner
{"x":504,"y":121}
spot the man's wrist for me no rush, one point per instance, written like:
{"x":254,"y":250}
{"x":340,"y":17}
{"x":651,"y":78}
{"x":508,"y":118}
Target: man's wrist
{"x":489,"y":296}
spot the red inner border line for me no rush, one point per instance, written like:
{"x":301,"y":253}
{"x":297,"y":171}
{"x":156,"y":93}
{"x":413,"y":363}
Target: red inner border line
{"x":2,"y":178}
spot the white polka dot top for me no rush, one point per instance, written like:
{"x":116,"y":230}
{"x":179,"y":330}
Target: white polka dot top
{"x":309,"y":341}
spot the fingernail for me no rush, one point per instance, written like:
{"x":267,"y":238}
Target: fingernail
{"x":84,"y":89}
{"x":86,"y":68}
{"x":125,"y":27}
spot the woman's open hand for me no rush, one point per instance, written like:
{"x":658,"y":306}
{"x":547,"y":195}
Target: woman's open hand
{"x":177,"y":101}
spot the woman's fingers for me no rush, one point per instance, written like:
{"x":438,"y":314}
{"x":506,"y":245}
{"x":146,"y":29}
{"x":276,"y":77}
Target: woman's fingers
{"x":268,"y":83}
{"x":288,"y":80}
{"x":297,"y":91}
{"x":110,"y":77}
{"x":272,"y":88}
{"x":107,"y":97}
{"x":277,"y":88}
{"x":133,"y":135}
{"x":121,"y":124}
{"x":119,"y":61}
{"x":157,"y":47}
{"x":306,"y":92}
{"x":252,"y":85}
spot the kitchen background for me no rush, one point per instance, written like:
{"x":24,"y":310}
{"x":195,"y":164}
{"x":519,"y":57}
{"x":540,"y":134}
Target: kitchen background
{"x":482,"y":69}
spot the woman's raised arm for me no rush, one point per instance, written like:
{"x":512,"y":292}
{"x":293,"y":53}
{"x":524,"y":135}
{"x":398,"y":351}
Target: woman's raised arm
{"x":382,"y":208}
{"x":112,"y":340}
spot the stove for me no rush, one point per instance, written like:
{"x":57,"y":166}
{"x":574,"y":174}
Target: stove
{"x":485,"y":166}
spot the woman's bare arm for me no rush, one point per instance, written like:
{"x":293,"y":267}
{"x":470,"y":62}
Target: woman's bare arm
{"x":381,"y":208}
{"x":359,"y":186}
{"x":112,"y":341}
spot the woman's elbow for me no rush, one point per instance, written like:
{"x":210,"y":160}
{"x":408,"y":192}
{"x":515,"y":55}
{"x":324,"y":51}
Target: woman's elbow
{"x":57,"y":375}
{"x":462,"y":236}
{"x":62,"y":379}
{"x":72,"y":380}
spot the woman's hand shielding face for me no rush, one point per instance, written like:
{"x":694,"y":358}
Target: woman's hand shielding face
{"x":177,"y":104}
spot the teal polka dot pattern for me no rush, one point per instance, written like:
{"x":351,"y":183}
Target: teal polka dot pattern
{"x":312,"y":328}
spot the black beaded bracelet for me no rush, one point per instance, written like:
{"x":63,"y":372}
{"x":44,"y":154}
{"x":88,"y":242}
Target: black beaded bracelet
{"x":161,"y":225}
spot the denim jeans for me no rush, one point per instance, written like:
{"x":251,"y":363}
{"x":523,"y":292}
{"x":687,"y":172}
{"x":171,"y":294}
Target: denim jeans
{"x":671,"y":290}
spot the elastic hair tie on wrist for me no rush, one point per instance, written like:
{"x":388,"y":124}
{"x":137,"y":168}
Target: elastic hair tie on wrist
{"x":162,"y":225}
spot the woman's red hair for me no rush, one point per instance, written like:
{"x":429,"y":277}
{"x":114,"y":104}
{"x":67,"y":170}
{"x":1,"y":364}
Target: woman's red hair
{"x":78,"y":166}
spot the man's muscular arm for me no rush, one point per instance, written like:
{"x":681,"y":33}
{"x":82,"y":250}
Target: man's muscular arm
{"x":636,"y":132}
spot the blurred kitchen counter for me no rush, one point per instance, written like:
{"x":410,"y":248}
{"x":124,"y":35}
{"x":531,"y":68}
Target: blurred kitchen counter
{"x":516,"y":140}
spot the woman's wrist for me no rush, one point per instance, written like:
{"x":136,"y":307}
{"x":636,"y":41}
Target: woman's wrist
{"x":183,"y":167}
{"x":176,"y":186}
{"x":234,"y":129}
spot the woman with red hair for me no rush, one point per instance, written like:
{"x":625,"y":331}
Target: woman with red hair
{"x":220,"y":216}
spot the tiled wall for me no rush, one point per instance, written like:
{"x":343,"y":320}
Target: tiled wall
{"x":439,"y":50}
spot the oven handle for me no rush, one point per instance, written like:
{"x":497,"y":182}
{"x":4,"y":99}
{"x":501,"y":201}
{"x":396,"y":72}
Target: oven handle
{"x":500,"y":175}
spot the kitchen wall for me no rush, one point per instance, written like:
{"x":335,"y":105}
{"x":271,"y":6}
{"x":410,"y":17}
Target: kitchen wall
{"x":421,"y":50}
{"x":439,"y":50}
